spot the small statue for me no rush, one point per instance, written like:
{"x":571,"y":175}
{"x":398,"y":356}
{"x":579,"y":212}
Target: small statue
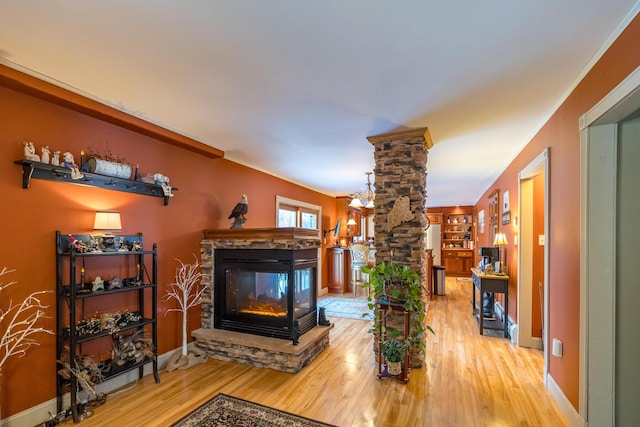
{"x":78,"y":245}
{"x":238,"y":213}
{"x":163,"y":181}
{"x":55,"y":160}
{"x":46,"y":154}
{"x":68,"y":162}
{"x":295,"y":332}
{"x":115,"y":283}
{"x":30,"y":152}
{"x":322,"y":317}
{"x":98,"y":284}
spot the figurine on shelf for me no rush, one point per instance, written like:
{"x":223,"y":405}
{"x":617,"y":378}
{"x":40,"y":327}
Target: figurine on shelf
{"x":115,"y":283}
{"x":46,"y":154}
{"x":55,"y":159}
{"x":30,"y":152}
{"x":98,"y":284}
{"x":78,"y":245}
{"x":68,"y":162}
{"x":163,"y":181}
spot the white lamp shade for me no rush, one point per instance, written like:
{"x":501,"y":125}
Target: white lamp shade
{"x":500,"y":239}
{"x":107,"y":220}
{"x":369,"y":204}
{"x":351,"y":222}
{"x":355,"y":203}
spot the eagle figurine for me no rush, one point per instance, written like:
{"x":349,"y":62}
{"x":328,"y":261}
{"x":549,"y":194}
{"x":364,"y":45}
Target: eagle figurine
{"x":239,"y":211}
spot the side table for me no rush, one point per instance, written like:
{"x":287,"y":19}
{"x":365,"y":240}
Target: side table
{"x":490,"y":283}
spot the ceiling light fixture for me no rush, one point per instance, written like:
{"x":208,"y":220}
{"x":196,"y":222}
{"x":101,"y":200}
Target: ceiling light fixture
{"x":358,"y":201}
{"x":370,"y":195}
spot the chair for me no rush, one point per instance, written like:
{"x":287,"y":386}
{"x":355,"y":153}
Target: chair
{"x":359,"y":259}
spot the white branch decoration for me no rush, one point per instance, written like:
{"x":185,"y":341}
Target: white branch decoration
{"x":187,"y":293}
{"x":22,"y":318}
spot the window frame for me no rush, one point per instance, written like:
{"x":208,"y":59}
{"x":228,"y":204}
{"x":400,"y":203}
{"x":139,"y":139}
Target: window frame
{"x":299,"y":207}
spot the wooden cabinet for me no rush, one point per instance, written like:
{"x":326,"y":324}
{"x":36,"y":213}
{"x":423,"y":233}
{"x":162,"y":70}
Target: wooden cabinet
{"x":434,"y":218}
{"x":457,"y":262}
{"x":339,"y":270}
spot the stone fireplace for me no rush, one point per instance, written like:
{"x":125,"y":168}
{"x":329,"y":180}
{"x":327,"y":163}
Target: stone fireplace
{"x":261,"y":289}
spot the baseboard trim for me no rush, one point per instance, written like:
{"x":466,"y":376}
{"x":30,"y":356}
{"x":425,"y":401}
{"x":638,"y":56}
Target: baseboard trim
{"x":45,"y":410}
{"x":573,"y":417}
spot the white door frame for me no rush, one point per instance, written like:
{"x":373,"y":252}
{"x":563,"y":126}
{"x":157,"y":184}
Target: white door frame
{"x":540,"y":165}
{"x":598,"y":157}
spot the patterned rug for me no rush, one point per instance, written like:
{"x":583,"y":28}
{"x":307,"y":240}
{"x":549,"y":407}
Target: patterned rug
{"x":224,"y":411}
{"x":350,"y":308}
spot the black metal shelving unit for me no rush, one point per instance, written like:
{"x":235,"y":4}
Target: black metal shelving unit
{"x":71,"y":258}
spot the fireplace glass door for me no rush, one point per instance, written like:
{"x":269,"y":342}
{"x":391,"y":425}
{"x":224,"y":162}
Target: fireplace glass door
{"x":264,"y":293}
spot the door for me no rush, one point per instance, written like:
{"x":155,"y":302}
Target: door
{"x":533,"y":256}
{"x":609,"y":294}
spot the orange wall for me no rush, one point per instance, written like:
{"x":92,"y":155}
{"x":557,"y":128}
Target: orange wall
{"x":561,"y":134}
{"x":207,"y":191}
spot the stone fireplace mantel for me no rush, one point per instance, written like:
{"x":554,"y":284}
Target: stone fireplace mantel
{"x":260,"y":234}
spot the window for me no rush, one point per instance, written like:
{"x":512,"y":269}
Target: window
{"x":294,"y":213}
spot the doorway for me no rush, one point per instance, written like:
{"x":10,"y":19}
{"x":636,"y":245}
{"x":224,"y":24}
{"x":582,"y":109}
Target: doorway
{"x":533,"y":255}
{"x":609,"y":155}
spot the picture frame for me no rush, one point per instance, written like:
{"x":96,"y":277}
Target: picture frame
{"x":481,"y":222}
{"x":505,"y":202}
{"x":506,"y":218}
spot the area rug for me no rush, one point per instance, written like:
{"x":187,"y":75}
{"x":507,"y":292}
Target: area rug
{"x":349,"y":308}
{"x":224,"y":411}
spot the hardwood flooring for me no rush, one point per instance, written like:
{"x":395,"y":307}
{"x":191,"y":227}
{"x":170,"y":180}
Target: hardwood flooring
{"x":467,"y":380}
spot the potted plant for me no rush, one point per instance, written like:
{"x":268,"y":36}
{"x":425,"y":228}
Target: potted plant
{"x":394,"y":352}
{"x":397,"y":284}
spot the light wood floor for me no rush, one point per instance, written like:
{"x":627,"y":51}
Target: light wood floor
{"x":467,"y":380}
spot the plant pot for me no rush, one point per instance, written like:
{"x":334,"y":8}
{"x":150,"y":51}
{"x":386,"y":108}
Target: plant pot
{"x":394,"y":368}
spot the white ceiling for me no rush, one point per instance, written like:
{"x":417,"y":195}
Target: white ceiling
{"x":294,"y":87}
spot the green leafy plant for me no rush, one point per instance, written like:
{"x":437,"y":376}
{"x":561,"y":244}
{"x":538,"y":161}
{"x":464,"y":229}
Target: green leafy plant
{"x":398,"y":284}
{"x":394,"y":350}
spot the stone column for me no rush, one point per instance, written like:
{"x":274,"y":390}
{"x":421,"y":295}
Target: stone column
{"x":401,"y":174}
{"x":400,"y":205}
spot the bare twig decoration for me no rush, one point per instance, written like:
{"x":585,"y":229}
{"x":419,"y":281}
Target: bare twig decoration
{"x":22,"y":320}
{"x":188,"y":292}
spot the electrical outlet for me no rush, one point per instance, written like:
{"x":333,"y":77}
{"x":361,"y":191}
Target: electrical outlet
{"x":556,"y":347}
{"x":541,"y":240}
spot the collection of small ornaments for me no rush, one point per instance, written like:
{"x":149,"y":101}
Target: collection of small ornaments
{"x":103,"y":163}
{"x":104,"y":244}
{"x":105,"y":322}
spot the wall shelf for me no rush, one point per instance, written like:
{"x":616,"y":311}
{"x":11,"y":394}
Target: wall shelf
{"x":47,"y":172}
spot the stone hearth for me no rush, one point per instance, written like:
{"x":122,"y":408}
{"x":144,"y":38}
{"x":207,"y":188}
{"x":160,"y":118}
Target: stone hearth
{"x":263,"y":352}
{"x":245,"y":348}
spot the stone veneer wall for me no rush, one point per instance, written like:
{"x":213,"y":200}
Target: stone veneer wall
{"x":401,"y":170}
